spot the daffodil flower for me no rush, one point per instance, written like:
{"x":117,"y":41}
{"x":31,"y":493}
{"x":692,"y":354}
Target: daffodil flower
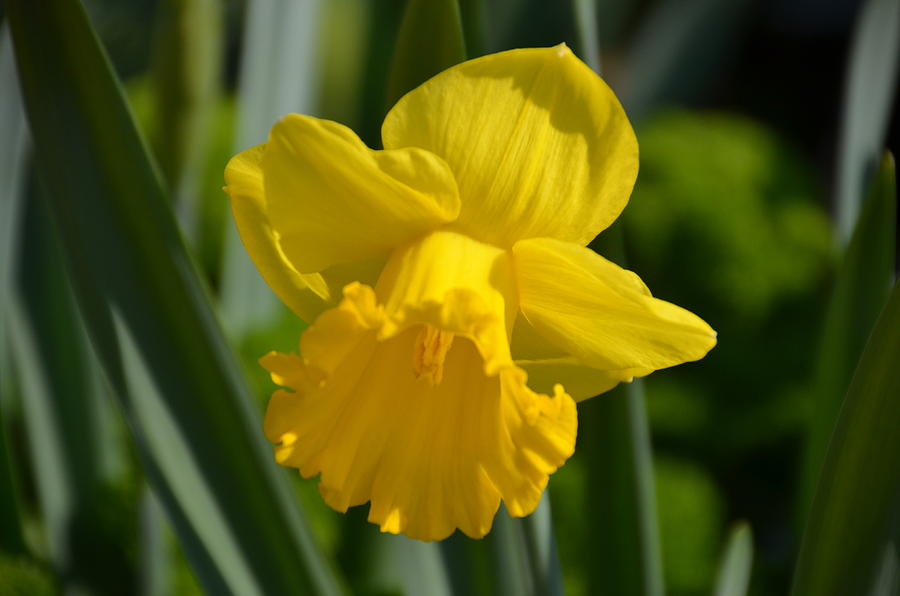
{"x":457,"y":315}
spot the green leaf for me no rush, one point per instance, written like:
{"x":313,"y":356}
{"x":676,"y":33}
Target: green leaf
{"x":276,"y":77}
{"x":11,"y":540}
{"x":861,"y":289}
{"x":614,"y":438}
{"x":406,"y":566}
{"x":150,"y":320}
{"x":155,"y":563}
{"x":733,"y":577}
{"x":12,"y":161}
{"x":887,"y":576}
{"x":678,"y":48}
{"x":68,"y":430}
{"x":585,"y":13}
{"x":856,"y":500}
{"x":623,"y":530}
{"x":185,"y":71}
{"x":869,"y":90}
{"x":474,"y":25}
{"x":12,"y":170}
{"x":540,"y":543}
{"x":430,"y":40}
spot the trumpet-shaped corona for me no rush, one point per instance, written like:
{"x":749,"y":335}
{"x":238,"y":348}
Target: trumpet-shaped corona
{"x":456,"y":314}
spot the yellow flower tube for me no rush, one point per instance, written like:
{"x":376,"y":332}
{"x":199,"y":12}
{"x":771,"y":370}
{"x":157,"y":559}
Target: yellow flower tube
{"x":456,"y":314}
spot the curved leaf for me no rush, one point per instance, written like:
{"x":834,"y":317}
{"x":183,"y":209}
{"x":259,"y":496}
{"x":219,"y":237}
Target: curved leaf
{"x":150,"y":320}
{"x":869,"y":90}
{"x":733,"y":577}
{"x":430,"y":40}
{"x":857,"y":498}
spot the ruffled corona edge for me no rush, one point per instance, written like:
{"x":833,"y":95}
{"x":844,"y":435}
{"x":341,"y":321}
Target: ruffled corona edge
{"x":432,"y":450}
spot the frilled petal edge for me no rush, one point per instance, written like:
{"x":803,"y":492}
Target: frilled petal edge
{"x":405,"y":397}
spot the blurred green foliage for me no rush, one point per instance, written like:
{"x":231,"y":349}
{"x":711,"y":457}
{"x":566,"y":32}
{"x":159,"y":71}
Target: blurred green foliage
{"x":691,"y":523}
{"x":23,"y":577}
{"x":724,"y":220}
{"x":724,"y":216}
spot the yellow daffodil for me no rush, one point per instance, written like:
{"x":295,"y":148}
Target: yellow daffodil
{"x":457,"y":315}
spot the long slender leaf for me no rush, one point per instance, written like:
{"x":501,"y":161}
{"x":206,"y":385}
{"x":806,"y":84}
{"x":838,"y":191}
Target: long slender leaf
{"x":62,"y":409}
{"x":733,"y":577}
{"x":585,"y":13}
{"x":278,"y":73}
{"x":887,"y":578}
{"x":406,"y":566}
{"x":861,"y":289}
{"x":614,"y":438}
{"x":856,"y":502}
{"x":540,"y":542}
{"x":369,"y":63}
{"x":11,"y":539}
{"x":12,"y":154}
{"x":615,"y":441}
{"x":677,"y":49}
{"x":430,"y":40}
{"x":155,"y":567}
{"x":870,"y":87}
{"x":186,"y":66}
{"x":474,"y":25}
{"x":150,"y":319}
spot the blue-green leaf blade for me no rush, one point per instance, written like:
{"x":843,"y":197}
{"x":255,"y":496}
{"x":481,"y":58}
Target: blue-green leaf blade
{"x":857,"y":496}
{"x":870,"y":86}
{"x":430,"y":40}
{"x":12,"y":161}
{"x":733,"y":577}
{"x":614,"y":439}
{"x":861,"y":288}
{"x":277,"y":77}
{"x":66,"y":417}
{"x":150,"y":319}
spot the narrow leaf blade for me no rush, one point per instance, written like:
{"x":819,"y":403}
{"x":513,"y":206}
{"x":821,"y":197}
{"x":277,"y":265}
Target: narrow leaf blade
{"x":277,"y":76}
{"x":870,"y":87}
{"x":861,"y":288}
{"x":733,"y":577}
{"x":856,"y":499}
{"x":430,"y":40}
{"x":150,"y":319}
{"x":12,"y":159}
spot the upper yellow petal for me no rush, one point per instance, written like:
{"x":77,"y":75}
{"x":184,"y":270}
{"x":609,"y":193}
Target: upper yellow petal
{"x":305,"y":294}
{"x":538,"y":143}
{"x":600,"y":313}
{"x":332,"y":200}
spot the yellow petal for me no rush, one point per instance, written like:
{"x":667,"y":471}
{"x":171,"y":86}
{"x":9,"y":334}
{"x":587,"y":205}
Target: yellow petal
{"x":602,"y":314}
{"x":580,"y":381}
{"x":538,"y":143}
{"x":399,"y":401}
{"x":547,"y":364}
{"x":305,"y":294}
{"x":331,"y":200}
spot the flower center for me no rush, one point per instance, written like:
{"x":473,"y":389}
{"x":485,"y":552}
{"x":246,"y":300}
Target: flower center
{"x":432,"y":345}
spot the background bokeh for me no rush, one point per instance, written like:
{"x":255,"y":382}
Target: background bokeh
{"x":737,"y":107}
